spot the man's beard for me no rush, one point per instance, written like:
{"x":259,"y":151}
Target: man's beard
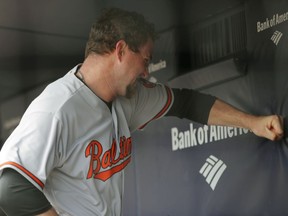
{"x":130,"y":90}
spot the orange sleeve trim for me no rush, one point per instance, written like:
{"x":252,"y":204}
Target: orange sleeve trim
{"x":164,"y":109}
{"x":28,"y":173}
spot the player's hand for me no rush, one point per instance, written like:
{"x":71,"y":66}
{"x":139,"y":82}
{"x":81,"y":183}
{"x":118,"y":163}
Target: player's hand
{"x":270,"y":127}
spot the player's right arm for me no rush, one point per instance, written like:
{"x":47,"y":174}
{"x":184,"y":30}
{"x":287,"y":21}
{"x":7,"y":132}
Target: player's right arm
{"x":210,"y":110}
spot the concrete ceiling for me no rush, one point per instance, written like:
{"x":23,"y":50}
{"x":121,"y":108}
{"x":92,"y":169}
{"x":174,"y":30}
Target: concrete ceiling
{"x":41,"y":40}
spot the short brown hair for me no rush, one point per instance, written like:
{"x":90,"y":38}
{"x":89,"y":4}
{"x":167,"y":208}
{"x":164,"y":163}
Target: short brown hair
{"x":116,"y":24}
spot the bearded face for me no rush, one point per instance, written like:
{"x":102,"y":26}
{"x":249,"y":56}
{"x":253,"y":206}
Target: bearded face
{"x":130,"y":90}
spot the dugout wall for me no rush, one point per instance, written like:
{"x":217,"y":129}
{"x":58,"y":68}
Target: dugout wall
{"x":182,"y":168}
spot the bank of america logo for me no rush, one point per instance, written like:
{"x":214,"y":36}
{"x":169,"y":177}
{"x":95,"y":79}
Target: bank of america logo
{"x":212,"y":170}
{"x":276,"y":37}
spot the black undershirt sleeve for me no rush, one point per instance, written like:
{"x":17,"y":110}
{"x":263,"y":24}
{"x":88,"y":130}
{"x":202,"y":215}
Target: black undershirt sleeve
{"x":192,"y":105}
{"x":20,"y":197}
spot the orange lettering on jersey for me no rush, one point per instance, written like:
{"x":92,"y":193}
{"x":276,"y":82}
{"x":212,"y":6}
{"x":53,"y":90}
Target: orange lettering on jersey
{"x":108,"y":161}
{"x":95,"y":157}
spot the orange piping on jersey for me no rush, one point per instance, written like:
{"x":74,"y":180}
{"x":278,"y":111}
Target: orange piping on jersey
{"x":33,"y":177}
{"x":167,"y":105}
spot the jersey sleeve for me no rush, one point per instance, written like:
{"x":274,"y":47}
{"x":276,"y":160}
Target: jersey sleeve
{"x":151,"y":101}
{"x":32,"y":148}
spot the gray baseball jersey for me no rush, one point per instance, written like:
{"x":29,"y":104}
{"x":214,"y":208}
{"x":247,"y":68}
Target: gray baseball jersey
{"x":73,"y":147}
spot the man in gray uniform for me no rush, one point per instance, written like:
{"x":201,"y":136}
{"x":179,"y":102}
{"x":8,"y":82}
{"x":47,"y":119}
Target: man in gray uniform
{"x":69,"y":151}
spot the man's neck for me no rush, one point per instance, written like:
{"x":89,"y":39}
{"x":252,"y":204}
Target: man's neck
{"x":94,"y":72}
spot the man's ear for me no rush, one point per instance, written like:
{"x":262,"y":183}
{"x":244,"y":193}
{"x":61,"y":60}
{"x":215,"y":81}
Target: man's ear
{"x":120,"y":49}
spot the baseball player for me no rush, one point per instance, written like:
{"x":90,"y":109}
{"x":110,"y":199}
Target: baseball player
{"x":68,"y":154}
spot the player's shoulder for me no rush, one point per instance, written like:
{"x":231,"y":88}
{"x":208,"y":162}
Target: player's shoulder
{"x":54,"y":96}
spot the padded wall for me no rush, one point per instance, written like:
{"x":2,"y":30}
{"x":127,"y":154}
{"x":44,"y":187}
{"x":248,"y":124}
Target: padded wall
{"x":183,"y":168}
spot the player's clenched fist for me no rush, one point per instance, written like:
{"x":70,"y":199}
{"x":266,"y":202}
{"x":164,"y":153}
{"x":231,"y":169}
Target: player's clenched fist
{"x":270,"y":127}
